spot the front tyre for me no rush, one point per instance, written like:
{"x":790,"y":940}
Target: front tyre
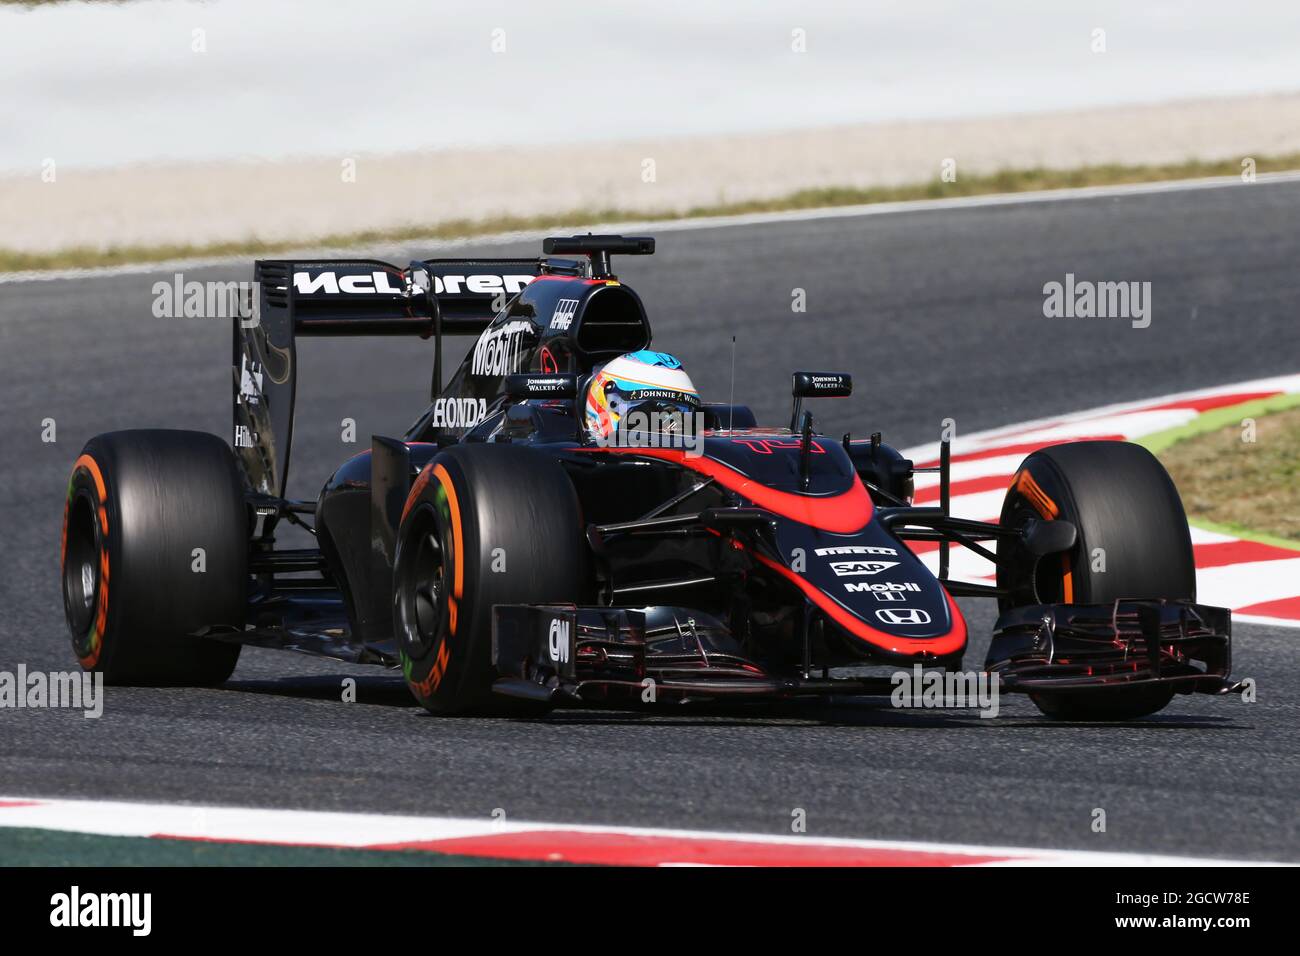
{"x":483,"y":525}
{"x":155,"y":552}
{"x":1133,"y":542}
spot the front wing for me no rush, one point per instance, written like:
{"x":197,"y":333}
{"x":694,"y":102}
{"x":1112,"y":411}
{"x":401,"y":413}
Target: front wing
{"x":566,"y":654}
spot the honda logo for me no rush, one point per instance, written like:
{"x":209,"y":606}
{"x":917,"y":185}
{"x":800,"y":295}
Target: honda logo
{"x":903,"y":615}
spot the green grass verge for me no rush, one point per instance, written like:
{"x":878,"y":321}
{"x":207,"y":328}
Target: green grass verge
{"x":34,"y":847}
{"x":1247,"y":489}
{"x":1006,"y":181}
{"x":1216,"y":419}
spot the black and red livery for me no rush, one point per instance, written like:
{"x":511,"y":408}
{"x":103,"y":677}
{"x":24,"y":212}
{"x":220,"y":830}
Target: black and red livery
{"x":507,"y":562}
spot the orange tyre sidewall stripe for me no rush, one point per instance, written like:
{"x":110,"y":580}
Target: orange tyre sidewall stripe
{"x":1036,"y":496}
{"x":442,"y":655}
{"x":458,"y":578}
{"x":1042,"y":502}
{"x":91,"y":467}
{"x":414,"y":493}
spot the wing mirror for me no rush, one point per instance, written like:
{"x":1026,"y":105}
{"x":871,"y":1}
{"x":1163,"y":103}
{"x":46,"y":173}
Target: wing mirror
{"x":817,"y":385}
{"x":822,"y":385}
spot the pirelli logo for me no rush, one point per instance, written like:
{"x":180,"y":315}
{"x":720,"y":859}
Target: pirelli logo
{"x":433,"y":679}
{"x":1035,"y":495}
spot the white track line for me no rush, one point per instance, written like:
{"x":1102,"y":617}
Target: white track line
{"x":435,"y":246}
{"x":361,"y":830}
{"x":1014,"y":434}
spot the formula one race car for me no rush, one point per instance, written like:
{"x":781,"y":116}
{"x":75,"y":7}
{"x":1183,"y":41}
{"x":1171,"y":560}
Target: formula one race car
{"x":568,"y":523}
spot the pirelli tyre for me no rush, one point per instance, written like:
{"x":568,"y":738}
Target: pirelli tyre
{"x":484,"y":524}
{"x":1133,"y":542}
{"x":155,"y":554}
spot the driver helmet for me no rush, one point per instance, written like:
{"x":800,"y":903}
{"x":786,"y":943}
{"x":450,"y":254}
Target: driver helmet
{"x":639,"y":392}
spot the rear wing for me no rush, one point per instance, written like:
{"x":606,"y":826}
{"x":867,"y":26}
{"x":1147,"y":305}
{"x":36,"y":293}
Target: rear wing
{"x":428,"y":298}
{"x":369,"y":297}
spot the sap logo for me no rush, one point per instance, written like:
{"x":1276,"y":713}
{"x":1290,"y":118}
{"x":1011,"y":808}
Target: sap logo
{"x":331,"y":283}
{"x":844,"y":569}
{"x":458,"y":412}
{"x":479,"y":284}
{"x":854,"y":549}
{"x":903,"y":615}
{"x":891,"y":588}
{"x":562,"y":317}
{"x":499,"y":351}
{"x":559,"y":641}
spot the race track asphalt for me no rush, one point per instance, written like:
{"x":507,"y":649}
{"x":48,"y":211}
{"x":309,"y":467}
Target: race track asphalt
{"x":936,"y":314}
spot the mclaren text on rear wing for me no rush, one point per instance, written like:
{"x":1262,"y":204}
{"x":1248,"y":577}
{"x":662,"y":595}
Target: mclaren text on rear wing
{"x":370,"y":297}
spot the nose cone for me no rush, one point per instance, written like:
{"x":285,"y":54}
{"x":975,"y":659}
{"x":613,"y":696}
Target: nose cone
{"x":874,"y":588}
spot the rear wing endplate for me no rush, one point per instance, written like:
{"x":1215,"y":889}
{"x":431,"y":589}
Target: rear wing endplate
{"x":428,"y":298}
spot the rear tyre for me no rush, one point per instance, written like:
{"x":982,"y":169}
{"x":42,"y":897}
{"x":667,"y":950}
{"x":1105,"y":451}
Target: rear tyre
{"x":484,"y":524}
{"x":1133,"y":543}
{"x":155,"y":551}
